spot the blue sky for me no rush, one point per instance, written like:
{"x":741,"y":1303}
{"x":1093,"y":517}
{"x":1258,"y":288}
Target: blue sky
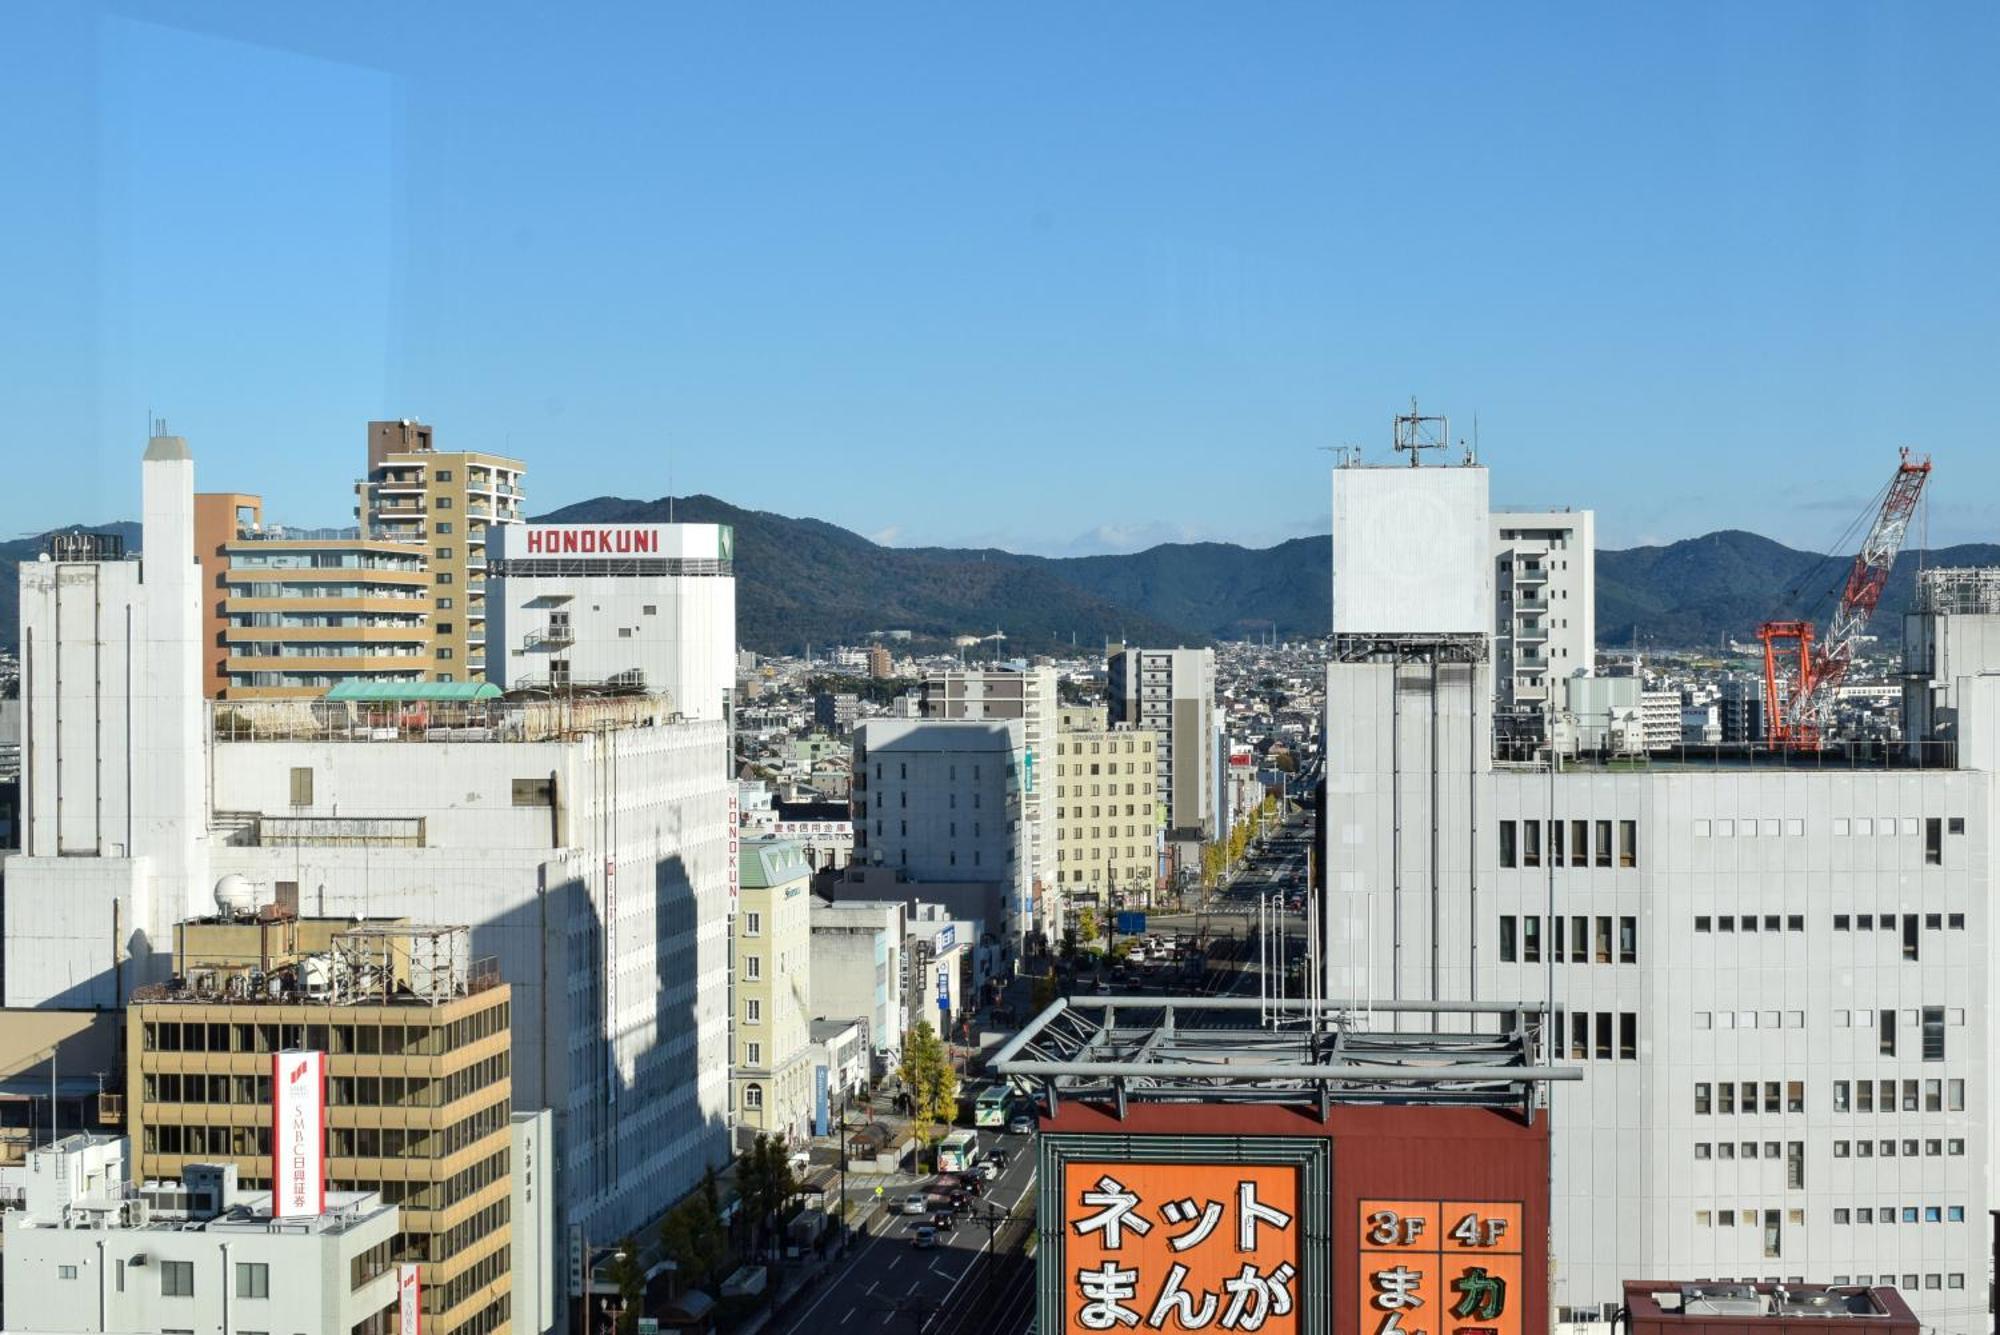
{"x":1057,"y":278}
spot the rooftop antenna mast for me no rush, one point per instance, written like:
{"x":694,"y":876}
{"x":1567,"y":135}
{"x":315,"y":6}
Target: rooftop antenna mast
{"x":1417,"y":432}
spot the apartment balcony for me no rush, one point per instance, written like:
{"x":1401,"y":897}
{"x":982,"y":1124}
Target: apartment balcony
{"x":399,"y":482}
{"x":1527,"y":572}
{"x":1536,"y":632}
{"x":395,"y":508}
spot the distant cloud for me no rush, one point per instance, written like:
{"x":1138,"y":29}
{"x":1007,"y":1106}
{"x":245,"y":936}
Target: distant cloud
{"x":885,"y":537}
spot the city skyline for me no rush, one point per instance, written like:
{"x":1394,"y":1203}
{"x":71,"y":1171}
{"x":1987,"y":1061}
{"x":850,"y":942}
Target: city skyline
{"x":1698,"y":270}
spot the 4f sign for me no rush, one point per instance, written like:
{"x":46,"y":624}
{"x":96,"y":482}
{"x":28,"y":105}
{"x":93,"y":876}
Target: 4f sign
{"x":298,"y":1134}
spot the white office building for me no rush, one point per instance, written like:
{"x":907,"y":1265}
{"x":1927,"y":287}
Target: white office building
{"x":92,"y":1252}
{"x":858,"y":971}
{"x":648,"y":605}
{"x":1545,"y":606}
{"x":1172,"y":693}
{"x":1776,"y":980}
{"x":1029,"y":694}
{"x":943,"y":803}
{"x":586,"y":841}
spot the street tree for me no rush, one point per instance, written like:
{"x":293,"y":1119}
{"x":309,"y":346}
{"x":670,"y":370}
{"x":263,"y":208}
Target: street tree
{"x":933,"y":1084}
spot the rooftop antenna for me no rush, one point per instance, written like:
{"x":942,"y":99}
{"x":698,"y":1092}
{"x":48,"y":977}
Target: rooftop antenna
{"x":1417,"y":432}
{"x":1344,"y":456}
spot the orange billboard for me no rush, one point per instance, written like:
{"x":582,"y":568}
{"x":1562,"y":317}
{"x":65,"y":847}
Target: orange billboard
{"x":1182,"y":1246}
{"x":1440,"y":1268}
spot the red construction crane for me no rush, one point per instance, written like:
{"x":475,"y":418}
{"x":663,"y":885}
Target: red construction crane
{"x":1800,"y":682}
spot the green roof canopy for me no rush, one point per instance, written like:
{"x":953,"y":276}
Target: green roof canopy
{"x":400,"y":691}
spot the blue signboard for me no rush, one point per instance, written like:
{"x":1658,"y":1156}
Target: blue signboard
{"x":819,"y":1100}
{"x":947,"y":938}
{"x":1132,"y":924}
{"x":944,"y":987}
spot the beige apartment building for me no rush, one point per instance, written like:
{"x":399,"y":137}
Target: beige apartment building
{"x":419,"y":1087}
{"x":1107,"y":807}
{"x":295,"y":612}
{"x":442,"y":502}
{"x":771,"y":1069}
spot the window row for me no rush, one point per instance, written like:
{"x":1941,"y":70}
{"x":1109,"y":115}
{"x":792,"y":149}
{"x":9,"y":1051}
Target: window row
{"x":1780,"y":1096}
{"x":1589,"y":940}
{"x":1591,"y":1035}
{"x":1929,"y":1022}
{"x":1929,"y":1148}
{"x":1749,"y":1019}
{"x":1773,"y":1222}
{"x":1908,"y":1214}
{"x":387,"y":1040}
{"x":1918,"y":1096}
{"x":1575,"y":843}
{"x":1794,"y":1152}
{"x":364,"y":1091}
{"x":1772,"y":922}
{"x":1912,"y":943}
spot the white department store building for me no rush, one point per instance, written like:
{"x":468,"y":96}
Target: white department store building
{"x":1775,"y":979}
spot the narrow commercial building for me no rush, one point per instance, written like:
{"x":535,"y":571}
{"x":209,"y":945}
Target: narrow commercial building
{"x":419,"y":1054}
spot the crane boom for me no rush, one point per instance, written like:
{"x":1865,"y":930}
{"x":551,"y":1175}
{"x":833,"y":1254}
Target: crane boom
{"x":1800,"y":684}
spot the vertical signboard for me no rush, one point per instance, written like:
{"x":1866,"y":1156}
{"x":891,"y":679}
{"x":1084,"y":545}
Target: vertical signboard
{"x":409,"y":1300}
{"x":1440,"y":1268}
{"x":821,"y":1099}
{"x":1182,"y":1244}
{"x":298,"y":1134}
{"x":734,"y":835}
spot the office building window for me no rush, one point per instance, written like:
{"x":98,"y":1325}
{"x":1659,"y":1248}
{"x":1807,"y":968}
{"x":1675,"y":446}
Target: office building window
{"x":1628,"y":1035}
{"x":1531,"y":843}
{"x":177,"y":1279}
{"x":1604,"y":843}
{"x":1531,"y":939}
{"x":1933,"y":1033}
{"x":1507,"y":849}
{"x":1628,"y":843}
{"x":253,"y":1279}
{"x":1886,"y":1033}
{"x":1509,"y":948}
{"x":1701,"y":1098}
{"x":1628,"y":940}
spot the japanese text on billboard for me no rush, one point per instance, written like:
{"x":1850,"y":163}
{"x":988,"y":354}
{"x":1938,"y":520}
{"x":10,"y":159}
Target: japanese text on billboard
{"x":1440,"y":1268}
{"x":1181,"y":1246}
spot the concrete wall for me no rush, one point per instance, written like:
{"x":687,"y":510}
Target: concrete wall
{"x":607,"y":913}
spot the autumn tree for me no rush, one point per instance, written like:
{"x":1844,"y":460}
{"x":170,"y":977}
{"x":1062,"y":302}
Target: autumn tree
{"x":933,"y":1084}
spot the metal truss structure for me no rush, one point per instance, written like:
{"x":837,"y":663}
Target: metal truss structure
{"x":1410,"y":648}
{"x":1119,"y":1050}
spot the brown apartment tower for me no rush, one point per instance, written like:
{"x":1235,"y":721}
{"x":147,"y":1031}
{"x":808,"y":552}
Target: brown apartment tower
{"x":442,"y":502}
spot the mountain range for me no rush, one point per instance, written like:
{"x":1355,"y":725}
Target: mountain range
{"x":804,"y":582}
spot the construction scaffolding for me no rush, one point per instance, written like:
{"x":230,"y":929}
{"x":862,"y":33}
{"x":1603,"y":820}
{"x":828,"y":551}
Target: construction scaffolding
{"x":1959,"y":591}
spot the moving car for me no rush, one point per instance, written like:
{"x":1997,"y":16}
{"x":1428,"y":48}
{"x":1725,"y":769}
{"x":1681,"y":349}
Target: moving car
{"x":1020,"y":1124}
{"x":914,"y":1203}
{"x":924,"y":1236}
{"x":986,"y":1169}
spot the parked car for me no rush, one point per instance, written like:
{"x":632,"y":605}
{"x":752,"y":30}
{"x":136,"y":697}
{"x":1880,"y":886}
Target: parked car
{"x":914,"y":1203}
{"x":924,"y":1236}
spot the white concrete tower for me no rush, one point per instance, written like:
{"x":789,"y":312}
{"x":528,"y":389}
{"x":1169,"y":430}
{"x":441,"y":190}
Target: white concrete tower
{"x":169,"y":797}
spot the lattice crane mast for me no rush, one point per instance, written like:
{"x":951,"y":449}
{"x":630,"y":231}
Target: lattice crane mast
{"x":1801,"y":680}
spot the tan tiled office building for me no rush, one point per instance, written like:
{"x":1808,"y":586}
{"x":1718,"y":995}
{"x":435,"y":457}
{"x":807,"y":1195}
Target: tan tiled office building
{"x":295,"y":612}
{"x":419,"y":1089}
{"x":442,"y":501}
{"x":1107,"y":806}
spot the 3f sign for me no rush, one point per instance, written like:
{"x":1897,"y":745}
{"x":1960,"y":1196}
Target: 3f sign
{"x":1386,"y":1228}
